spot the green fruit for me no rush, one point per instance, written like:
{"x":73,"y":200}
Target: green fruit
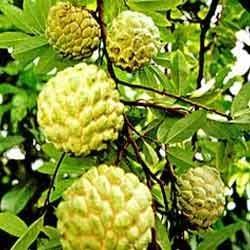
{"x":72,"y":30}
{"x":79,"y":109}
{"x":106,"y":209}
{"x":133,"y":40}
{"x":201,"y":196}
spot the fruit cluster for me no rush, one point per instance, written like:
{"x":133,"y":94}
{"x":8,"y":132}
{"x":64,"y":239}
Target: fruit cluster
{"x":79,"y":111}
{"x":132,"y":40}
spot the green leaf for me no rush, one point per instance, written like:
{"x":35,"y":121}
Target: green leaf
{"x":25,"y":241}
{"x":6,"y":88}
{"x":158,"y":18}
{"x":17,"y":18}
{"x":77,"y":167}
{"x":5,"y":23}
{"x":221,"y":130}
{"x":11,"y":224}
{"x":147,"y":78}
{"x":186,"y":127}
{"x":224,"y":155}
{"x":51,"y":232}
{"x":20,"y":105}
{"x":161,"y":77}
{"x":51,"y":151}
{"x":17,"y":198}
{"x":164,"y":128}
{"x":3,"y":110}
{"x":45,"y":6}
{"x":28,"y":57}
{"x":12,"y":39}
{"x":153,"y":5}
{"x":111,"y":9}
{"x":50,"y":59}
{"x":163,"y":60}
{"x":31,"y":44}
{"x":53,"y":244}
{"x":181,"y":158}
{"x":70,"y":165}
{"x":150,"y":154}
{"x":32,"y":14}
{"x":180,"y":72}
{"x":8,"y":142}
{"x":241,"y":102}
{"x":60,"y":186}
{"x":162,"y":235}
{"x":213,"y":239}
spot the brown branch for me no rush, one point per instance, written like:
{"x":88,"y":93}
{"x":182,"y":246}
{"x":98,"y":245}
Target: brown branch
{"x":205,"y":25}
{"x":141,"y":161}
{"x":120,"y":152}
{"x":176,"y":97}
{"x":100,"y":20}
{"x":147,"y":104}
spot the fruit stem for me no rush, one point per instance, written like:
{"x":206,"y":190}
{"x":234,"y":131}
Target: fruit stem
{"x":100,"y":20}
{"x":51,"y":187}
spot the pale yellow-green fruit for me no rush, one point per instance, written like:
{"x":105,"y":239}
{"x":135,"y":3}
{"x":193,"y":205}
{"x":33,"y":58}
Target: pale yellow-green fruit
{"x":201,"y":196}
{"x":106,"y":209}
{"x":79,"y":109}
{"x":133,"y":40}
{"x":72,"y":30}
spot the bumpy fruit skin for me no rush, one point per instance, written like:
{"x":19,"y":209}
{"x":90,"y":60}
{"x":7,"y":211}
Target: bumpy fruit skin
{"x":72,"y":30}
{"x":201,"y":196}
{"x":133,"y":40}
{"x":106,"y":209}
{"x":79,"y":109}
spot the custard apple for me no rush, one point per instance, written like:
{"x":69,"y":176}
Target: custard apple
{"x":201,"y":196}
{"x":72,"y":30}
{"x":133,"y":40}
{"x":79,"y":109}
{"x":106,"y":209}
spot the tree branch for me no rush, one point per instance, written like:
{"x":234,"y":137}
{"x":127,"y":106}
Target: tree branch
{"x":147,"y":104}
{"x":176,"y":97}
{"x":100,"y":20}
{"x":144,"y":165}
{"x":205,"y":25}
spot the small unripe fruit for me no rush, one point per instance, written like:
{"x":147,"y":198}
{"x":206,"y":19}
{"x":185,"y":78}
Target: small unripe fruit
{"x":201,"y":196}
{"x":72,"y":30}
{"x":133,"y":40}
{"x":106,"y":209}
{"x":79,"y":109}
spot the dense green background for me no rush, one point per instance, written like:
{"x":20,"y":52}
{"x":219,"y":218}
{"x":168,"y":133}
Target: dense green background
{"x":170,"y":123}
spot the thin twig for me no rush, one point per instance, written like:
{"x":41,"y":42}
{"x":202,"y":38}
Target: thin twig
{"x":120,"y":152}
{"x":171,"y":95}
{"x":205,"y":25}
{"x":144,"y":165}
{"x":100,"y":19}
{"x":147,"y":104}
{"x":51,"y":187}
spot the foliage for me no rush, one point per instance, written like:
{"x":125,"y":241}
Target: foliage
{"x":181,"y":112}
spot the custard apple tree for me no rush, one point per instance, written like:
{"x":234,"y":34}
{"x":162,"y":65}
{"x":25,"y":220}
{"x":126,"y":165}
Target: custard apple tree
{"x":124,"y":124}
